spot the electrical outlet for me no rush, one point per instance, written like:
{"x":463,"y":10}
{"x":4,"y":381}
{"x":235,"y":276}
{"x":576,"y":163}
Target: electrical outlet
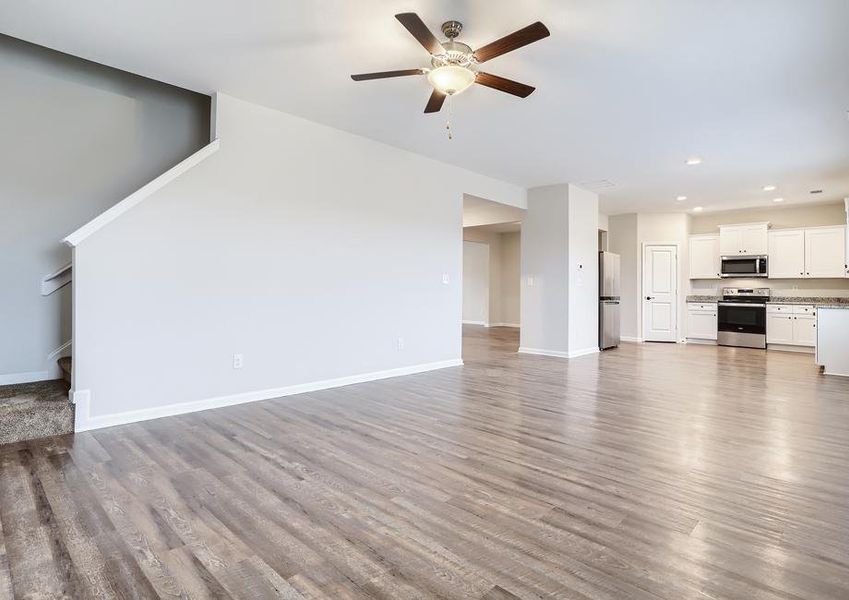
{"x":399,"y":343}
{"x":237,"y":361}
{"x":530,"y":282}
{"x":445,"y":279}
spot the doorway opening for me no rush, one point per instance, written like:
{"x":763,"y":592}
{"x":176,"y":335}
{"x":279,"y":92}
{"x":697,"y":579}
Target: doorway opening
{"x":491,"y":265}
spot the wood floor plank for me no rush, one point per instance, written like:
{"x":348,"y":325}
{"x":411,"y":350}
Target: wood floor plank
{"x":645,"y":472}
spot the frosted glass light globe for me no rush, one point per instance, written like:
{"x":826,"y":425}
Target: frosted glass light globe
{"x":451,"y":79}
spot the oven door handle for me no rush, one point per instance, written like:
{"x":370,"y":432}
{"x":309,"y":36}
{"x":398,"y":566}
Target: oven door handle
{"x":752,"y":304}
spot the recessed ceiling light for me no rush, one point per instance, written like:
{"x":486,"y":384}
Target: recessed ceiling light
{"x":778,"y":199}
{"x":681,"y":198}
{"x":769,"y":188}
{"x":694,"y":160}
{"x":698,"y":209}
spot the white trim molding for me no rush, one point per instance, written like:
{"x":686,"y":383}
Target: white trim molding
{"x":481,"y":323}
{"x":628,"y":338}
{"x":56,"y":280}
{"x":13,"y":378}
{"x":516,"y":325}
{"x":584,"y":352}
{"x":143,"y":192}
{"x":541,"y":352}
{"x":558,"y":353}
{"x":84,"y":421}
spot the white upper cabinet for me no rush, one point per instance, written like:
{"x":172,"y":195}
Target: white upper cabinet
{"x":815,"y":252}
{"x":787,"y":254}
{"x":825,"y":251}
{"x":755,"y":238}
{"x":730,"y":240}
{"x":704,"y":257}
{"x":751,"y":238}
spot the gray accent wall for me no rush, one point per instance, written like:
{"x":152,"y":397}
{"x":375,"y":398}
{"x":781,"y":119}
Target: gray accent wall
{"x":76,"y":137}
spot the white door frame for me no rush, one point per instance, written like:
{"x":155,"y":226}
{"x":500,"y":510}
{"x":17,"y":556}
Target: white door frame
{"x":678,"y":306}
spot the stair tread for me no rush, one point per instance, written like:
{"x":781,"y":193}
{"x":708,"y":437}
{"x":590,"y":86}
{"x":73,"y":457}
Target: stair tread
{"x":65,"y":363}
{"x":33,"y":410}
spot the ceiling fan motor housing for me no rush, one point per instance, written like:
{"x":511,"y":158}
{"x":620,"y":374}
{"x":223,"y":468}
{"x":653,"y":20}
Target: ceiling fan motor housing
{"x":451,"y":29}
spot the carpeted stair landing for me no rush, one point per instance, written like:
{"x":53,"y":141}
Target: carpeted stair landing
{"x":34,"y":410}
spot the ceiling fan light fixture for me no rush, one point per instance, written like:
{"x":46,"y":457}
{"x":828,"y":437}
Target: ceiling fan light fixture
{"x":451,"y":79}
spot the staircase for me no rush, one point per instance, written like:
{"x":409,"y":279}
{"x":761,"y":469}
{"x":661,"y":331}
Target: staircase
{"x":35,"y":410}
{"x":65,"y":365}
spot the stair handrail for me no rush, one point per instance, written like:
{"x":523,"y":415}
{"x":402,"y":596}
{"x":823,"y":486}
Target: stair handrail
{"x":57,"y":279}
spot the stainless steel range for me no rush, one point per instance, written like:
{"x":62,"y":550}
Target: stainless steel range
{"x":742,"y":317}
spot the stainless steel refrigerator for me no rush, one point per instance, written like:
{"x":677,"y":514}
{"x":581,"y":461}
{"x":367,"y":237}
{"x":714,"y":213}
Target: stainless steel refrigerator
{"x":608,"y":300}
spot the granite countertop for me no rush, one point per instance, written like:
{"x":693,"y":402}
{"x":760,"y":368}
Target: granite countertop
{"x":818,"y":301}
{"x":703,"y":299}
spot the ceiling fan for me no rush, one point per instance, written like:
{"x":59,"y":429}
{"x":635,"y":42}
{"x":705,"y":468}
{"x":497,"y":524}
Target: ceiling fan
{"x":454,"y":65}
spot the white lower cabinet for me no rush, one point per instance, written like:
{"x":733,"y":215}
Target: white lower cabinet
{"x":779,"y":328}
{"x":701,"y":321}
{"x":805,"y":330}
{"x":790,"y":325}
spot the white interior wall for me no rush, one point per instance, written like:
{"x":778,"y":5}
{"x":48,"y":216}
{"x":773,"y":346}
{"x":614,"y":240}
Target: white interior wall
{"x":559,"y":293}
{"x":545,"y":272}
{"x":76,"y":138}
{"x":510,"y":279}
{"x":476,"y":283}
{"x":313,"y":279}
{"x":583,"y":271}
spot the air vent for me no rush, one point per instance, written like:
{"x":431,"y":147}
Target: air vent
{"x":816,"y":191}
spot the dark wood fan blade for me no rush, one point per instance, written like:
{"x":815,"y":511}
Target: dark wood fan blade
{"x":416,"y":26}
{"x":504,"y":85}
{"x":517,"y":39}
{"x":385,"y":74}
{"x":435,"y":102}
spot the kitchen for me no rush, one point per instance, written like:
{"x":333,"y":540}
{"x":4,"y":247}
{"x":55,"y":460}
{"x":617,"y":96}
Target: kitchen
{"x":780,"y":284}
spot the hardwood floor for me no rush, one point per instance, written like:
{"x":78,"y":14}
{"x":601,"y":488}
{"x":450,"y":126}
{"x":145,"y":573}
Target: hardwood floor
{"x":649,"y":471}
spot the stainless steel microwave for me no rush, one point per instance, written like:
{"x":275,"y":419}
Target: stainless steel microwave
{"x":744,"y":266}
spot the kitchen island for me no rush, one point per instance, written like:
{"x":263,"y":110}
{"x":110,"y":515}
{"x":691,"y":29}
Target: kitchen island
{"x":833,"y":338}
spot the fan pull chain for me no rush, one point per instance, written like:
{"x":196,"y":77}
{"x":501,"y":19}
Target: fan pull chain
{"x":448,"y":123}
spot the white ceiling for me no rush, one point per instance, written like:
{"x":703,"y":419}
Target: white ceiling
{"x":627,"y":89}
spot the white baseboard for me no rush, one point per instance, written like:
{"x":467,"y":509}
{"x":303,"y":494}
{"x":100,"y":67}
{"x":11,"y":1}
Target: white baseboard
{"x":13,"y":378}
{"x":584,"y":352}
{"x":635,"y":340}
{"x":791,"y":348}
{"x":700,"y":341}
{"x":482,"y":323}
{"x":541,"y":352}
{"x":85,"y":422}
{"x":558,"y":353}
{"x":504,"y":325}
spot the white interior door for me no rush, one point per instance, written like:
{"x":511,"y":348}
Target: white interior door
{"x":475,"y":283}
{"x":660,"y":293}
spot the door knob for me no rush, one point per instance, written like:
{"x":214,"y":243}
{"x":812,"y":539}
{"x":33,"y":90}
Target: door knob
{"x":649,"y":298}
